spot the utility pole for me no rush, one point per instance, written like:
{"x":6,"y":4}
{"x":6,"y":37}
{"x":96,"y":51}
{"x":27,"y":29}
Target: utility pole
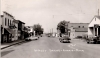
{"x":98,"y":12}
{"x":52,"y":30}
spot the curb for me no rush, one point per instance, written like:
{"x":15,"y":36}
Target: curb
{"x":12,"y":44}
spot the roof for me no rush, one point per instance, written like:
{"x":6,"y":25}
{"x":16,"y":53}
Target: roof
{"x":16,"y":21}
{"x":78,"y":23}
{"x":94,"y":17}
{"x":20,"y":21}
{"x":75,"y":25}
{"x":81,"y":29}
{"x":8,"y":14}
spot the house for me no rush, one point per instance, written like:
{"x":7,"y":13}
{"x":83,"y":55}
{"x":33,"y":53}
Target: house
{"x":77,"y":29}
{"x":7,"y":27}
{"x":94,"y":26}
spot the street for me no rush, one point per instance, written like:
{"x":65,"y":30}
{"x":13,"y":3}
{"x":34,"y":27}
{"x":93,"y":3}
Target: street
{"x":50,"y":47}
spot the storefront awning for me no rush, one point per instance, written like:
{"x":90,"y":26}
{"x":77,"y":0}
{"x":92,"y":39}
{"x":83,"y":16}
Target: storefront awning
{"x":10,"y":31}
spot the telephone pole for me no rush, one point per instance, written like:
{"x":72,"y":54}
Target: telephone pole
{"x":98,"y":12}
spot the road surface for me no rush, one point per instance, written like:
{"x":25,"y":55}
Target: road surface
{"x":49,"y":47}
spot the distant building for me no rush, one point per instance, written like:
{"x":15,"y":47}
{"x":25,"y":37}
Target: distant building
{"x":94,"y":26}
{"x":30,"y":30}
{"x":77,"y":29}
{"x":26,"y":35}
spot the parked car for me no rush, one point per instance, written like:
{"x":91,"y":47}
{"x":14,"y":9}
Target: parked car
{"x":64,"y":38}
{"x":48,"y":35}
{"x":94,"y":40}
{"x":32,"y":38}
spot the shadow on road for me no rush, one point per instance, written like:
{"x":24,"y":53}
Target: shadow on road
{"x":6,"y":52}
{"x":26,"y":42}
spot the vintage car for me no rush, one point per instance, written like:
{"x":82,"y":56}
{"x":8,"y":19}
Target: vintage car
{"x":64,"y":38}
{"x":95,"y":39}
{"x":31,"y":38}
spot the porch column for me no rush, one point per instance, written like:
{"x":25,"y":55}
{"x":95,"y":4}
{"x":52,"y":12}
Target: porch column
{"x":34,"y":33}
{"x":94,"y":31}
{"x":97,"y":31}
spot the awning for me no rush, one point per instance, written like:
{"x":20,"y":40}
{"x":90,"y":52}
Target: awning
{"x":10,"y":30}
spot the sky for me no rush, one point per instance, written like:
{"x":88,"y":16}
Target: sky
{"x":49,"y":13}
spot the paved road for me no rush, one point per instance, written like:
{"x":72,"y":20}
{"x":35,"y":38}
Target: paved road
{"x":51,"y":48}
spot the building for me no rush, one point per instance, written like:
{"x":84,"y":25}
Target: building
{"x":26,"y":35}
{"x":94,"y":26}
{"x":30,"y":30}
{"x":77,"y":29}
{"x":78,"y":25}
{"x":7,"y":27}
{"x":21,"y":31}
{"x":0,"y":27}
{"x":15,"y":22}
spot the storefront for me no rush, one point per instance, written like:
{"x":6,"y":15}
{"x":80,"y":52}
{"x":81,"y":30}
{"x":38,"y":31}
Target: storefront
{"x":8,"y":35}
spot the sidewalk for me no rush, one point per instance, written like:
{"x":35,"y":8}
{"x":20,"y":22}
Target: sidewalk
{"x":5,"y":45}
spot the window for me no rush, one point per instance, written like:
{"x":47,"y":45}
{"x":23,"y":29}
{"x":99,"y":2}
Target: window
{"x":83,"y":26}
{"x":8,"y":22}
{"x":79,"y":26}
{"x":5,"y":21}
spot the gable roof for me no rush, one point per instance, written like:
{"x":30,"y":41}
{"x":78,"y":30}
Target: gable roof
{"x":96,"y":16}
{"x":8,"y":14}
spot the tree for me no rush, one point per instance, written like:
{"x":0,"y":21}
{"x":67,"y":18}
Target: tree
{"x":38,"y":29}
{"x":63,"y":26}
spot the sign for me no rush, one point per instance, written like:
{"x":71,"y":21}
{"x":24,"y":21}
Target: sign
{"x":96,"y":26}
